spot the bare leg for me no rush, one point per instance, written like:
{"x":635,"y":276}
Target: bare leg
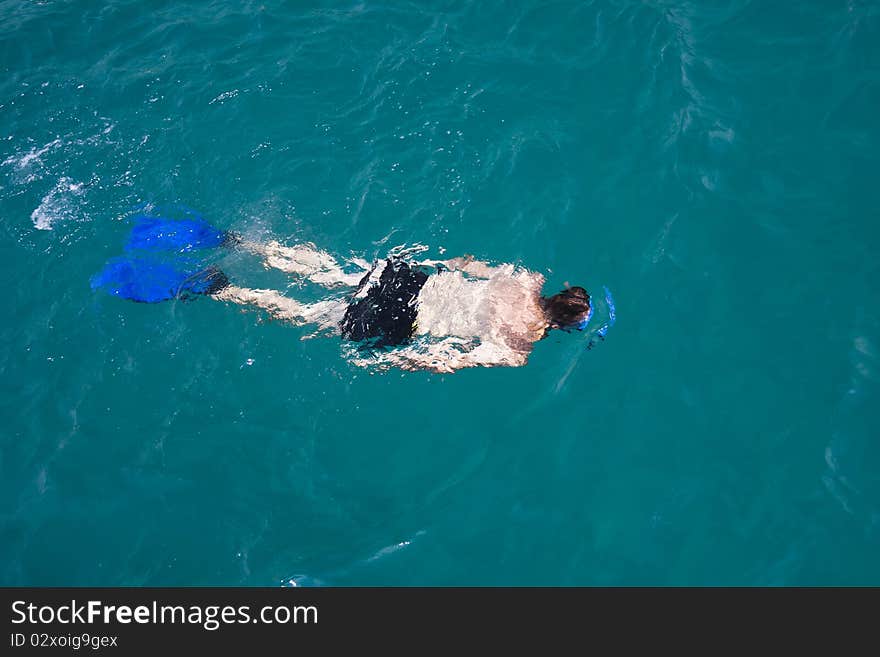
{"x":309,"y":261}
{"x":325,"y":314}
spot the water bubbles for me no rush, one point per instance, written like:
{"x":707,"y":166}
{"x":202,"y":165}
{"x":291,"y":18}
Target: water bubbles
{"x":222,"y":98}
{"x":57,"y":204}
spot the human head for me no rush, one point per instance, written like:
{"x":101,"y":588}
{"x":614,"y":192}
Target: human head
{"x":568,"y":309}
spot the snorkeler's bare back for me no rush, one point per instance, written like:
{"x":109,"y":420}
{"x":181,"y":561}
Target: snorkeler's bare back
{"x":471,"y":315}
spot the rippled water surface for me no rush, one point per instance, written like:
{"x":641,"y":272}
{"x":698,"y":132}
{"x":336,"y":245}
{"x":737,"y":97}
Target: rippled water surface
{"x":713,"y":164}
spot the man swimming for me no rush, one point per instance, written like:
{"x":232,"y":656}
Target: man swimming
{"x":438,"y":315}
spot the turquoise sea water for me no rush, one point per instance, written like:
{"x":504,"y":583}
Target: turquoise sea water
{"x":714,"y":164}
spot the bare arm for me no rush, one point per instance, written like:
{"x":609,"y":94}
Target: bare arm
{"x":468,"y":265}
{"x":445,"y":356}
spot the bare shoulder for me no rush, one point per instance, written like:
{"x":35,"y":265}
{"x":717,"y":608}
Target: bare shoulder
{"x":529,"y":278}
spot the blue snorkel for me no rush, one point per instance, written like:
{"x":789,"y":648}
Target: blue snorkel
{"x":612,"y":314}
{"x":581,"y":325}
{"x":601,"y":330}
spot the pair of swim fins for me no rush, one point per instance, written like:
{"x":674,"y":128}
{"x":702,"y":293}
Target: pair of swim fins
{"x":156,"y":266}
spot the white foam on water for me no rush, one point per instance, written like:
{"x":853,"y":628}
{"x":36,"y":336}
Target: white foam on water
{"x":28,"y":167}
{"x":226,"y":95}
{"x":32,"y":156}
{"x":57,"y":204}
{"x":395,"y":547}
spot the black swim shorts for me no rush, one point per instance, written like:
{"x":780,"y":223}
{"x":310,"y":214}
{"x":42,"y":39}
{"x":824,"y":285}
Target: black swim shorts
{"x":386,"y":315}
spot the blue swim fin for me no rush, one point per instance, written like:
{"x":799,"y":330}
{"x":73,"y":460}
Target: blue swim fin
{"x":162,"y":234}
{"x":148,"y":281}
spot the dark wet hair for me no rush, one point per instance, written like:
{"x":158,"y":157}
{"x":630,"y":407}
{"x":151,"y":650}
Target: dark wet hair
{"x":566,"y":308}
